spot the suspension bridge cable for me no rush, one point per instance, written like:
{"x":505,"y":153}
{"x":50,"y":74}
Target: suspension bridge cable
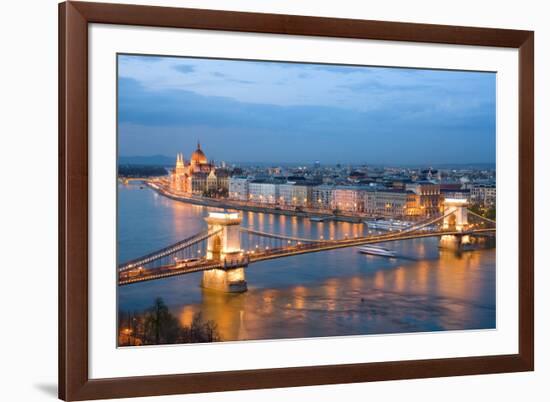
{"x":166,"y":251}
{"x":481,"y":217}
{"x":278,"y":236}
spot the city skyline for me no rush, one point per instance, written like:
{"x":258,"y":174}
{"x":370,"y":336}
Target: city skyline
{"x":166,"y":160}
{"x":274,"y":112}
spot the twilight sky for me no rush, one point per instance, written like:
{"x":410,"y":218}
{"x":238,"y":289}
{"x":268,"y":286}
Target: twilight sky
{"x":248,"y":111}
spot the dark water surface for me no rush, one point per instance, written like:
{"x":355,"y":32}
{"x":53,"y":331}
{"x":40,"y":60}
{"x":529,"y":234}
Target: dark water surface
{"x":330,"y":293}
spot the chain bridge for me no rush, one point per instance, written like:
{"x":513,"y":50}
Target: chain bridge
{"x":225,"y":248}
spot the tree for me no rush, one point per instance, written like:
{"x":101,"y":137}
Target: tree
{"x":130,"y":328}
{"x":201,"y":331}
{"x":160,"y":325}
{"x":157,"y":326}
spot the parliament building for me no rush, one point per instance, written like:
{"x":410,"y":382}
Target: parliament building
{"x":198,"y":176}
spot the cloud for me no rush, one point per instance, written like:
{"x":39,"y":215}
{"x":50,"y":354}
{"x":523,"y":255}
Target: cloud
{"x":339,"y":69}
{"x":138,"y":105}
{"x":135,"y":58}
{"x":386,"y":87}
{"x":295,"y":84}
{"x":184,"y":68}
{"x":246,"y":82}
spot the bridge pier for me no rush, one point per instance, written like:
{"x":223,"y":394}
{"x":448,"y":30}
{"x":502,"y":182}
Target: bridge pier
{"x":454,"y":242}
{"x":456,"y":217}
{"x":227,"y":281}
{"x":225,"y":247}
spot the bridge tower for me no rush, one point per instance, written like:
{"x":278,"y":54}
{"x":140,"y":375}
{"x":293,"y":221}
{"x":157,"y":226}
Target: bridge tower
{"x":457,"y":220}
{"x":225,"y":246}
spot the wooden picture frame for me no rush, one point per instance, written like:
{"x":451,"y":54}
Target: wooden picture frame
{"x":74,"y":381}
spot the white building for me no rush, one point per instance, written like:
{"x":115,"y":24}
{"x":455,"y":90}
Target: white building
{"x":321,"y":197}
{"x":285,"y":194}
{"x":484,"y":194}
{"x":295,"y":195}
{"x":349,"y":198}
{"x":301,"y":195}
{"x":238,"y":188}
{"x":392,"y":203}
{"x":263,"y":192}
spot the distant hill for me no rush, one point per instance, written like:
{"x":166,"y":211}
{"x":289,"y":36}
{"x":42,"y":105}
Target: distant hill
{"x":161,"y":160}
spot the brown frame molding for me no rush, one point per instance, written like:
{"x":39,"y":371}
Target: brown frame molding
{"x":74,"y":17}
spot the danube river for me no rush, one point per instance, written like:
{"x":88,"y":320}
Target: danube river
{"x":332,"y":293}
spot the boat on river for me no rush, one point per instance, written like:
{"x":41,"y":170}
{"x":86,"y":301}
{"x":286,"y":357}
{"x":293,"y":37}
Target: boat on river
{"x":376,"y":250}
{"x":389,"y":225}
{"x":320,"y":218}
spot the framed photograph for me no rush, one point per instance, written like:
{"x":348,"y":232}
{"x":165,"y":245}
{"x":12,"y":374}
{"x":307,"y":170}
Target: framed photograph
{"x":259,"y":200}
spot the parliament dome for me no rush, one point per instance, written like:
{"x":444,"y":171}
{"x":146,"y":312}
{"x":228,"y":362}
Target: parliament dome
{"x":198,"y":156}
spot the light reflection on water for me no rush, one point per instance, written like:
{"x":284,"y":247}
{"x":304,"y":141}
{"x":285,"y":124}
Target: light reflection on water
{"x":339,"y":292}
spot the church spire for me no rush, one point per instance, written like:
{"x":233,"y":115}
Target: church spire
{"x":179,"y":159}
{"x":198,"y":144}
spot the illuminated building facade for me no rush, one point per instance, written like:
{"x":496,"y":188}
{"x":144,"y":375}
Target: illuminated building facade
{"x":391,"y":203}
{"x":263,"y":192}
{"x":428,"y":200}
{"x":238,"y":188}
{"x":484,"y":194}
{"x":322,"y":197}
{"x":349,"y":199}
{"x":198,"y":175}
{"x":295,"y":195}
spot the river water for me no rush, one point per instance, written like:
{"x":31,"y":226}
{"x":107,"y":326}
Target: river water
{"x":331,"y":293}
